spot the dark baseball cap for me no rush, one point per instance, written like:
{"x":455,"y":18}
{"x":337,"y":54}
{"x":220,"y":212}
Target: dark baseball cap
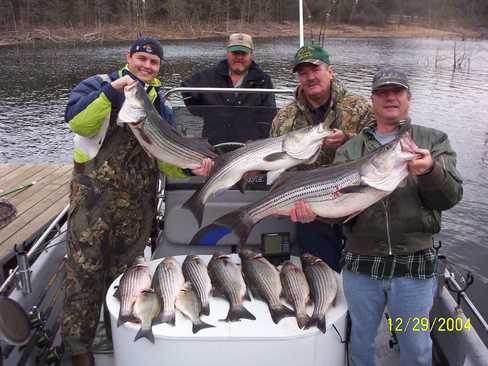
{"x":148,"y":45}
{"x":388,"y":77}
{"x":311,"y":55}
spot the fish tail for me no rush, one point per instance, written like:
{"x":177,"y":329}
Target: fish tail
{"x":279,"y":313}
{"x":195,"y":205}
{"x":124,"y":319}
{"x":319,"y":322}
{"x":238,"y":221}
{"x":168,"y":318}
{"x":146,"y":333}
{"x":201,"y":325}
{"x":238,"y":312}
{"x":303,"y":320}
{"x":205,"y":309}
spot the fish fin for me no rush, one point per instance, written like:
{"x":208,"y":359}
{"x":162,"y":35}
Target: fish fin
{"x":302,"y":320}
{"x":242,"y":185}
{"x":273,"y":175}
{"x":247,"y":294}
{"x":201,"y":325}
{"x":195,"y":205}
{"x":237,"y":313}
{"x":146,"y":333}
{"x":275,"y":156}
{"x":318,"y":322}
{"x":126,"y":318}
{"x":117,"y":292}
{"x":283,"y":178}
{"x":279,"y":313}
{"x":237,"y":221}
{"x":167,"y":318}
{"x":352,"y":189}
{"x":353,"y":215}
{"x":205,"y":309}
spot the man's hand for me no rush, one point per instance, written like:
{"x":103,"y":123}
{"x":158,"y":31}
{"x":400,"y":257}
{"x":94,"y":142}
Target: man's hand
{"x":122,"y":82}
{"x":302,"y":212}
{"x":335,"y":139}
{"x":205,"y":169}
{"x":423,"y":165}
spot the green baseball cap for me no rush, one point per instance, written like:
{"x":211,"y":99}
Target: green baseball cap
{"x":311,"y":55}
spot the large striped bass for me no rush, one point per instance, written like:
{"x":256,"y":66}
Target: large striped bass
{"x":339,"y":191}
{"x":323,"y":285}
{"x":156,"y":136}
{"x":275,"y":154}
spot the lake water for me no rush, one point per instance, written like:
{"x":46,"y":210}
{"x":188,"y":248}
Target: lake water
{"x":35,"y":81}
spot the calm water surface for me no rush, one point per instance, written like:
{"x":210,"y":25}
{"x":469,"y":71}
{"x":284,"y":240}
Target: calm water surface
{"x":34,"y":85}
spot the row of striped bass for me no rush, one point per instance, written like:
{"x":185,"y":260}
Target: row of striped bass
{"x":156,"y":136}
{"x":275,"y":154}
{"x":264,"y":281}
{"x":338,"y":191}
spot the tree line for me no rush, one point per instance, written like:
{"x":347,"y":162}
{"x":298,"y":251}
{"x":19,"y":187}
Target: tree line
{"x":18,"y":15}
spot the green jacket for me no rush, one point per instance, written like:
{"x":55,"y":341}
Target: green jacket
{"x":404,"y":222}
{"x":348,"y":112}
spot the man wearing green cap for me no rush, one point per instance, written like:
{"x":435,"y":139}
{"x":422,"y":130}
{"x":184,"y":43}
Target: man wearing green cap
{"x":320,"y":98}
{"x":228,"y":116}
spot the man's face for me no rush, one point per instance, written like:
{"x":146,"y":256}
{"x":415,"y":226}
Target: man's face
{"x":239,"y":61}
{"x":391,"y":104}
{"x":315,"y":80}
{"x":144,"y":65}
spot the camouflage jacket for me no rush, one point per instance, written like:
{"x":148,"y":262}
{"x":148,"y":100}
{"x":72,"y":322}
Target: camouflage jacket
{"x":348,"y":112}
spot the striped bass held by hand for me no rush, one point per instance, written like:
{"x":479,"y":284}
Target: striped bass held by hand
{"x":132,"y":282}
{"x":195,"y":272}
{"x":275,"y":154}
{"x":264,"y":281}
{"x":156,"y":136}
{"x":227,"y":279}
{"x":168,"y":281}
{"x":339,"y":191}
{"x":323,"y":286}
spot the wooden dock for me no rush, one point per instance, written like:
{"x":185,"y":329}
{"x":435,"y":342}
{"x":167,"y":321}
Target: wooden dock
{"x":36,"y":205}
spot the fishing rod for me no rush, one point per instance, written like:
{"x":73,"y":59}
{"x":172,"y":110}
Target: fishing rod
{"x":17,"y":189}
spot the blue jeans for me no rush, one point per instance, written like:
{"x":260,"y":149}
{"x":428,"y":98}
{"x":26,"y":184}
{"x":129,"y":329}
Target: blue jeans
{"x":406,"y":298}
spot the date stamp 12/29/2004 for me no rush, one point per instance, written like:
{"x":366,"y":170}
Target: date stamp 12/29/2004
{"x":424,"y":324}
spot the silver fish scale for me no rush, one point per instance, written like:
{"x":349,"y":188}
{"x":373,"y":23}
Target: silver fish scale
{"x":228,"y":278}
{"x":169,"y":282}
{"x":316,"y":191}
{"x":154,"y":133}
{"x":195,"y":272}
{"x":132,"y":281}
{"x":265,"y":278}
{"x":322,"y":283}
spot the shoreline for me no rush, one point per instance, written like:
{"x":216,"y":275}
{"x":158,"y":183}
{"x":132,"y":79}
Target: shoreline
{"x":258,"y":31}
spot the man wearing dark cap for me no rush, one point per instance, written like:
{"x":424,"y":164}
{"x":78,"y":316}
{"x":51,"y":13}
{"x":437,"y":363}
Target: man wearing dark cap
{"x":233,"y":117}
{"x":113,"y":191}
{"x":320,"y":98}
{"x":389,"y":256}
